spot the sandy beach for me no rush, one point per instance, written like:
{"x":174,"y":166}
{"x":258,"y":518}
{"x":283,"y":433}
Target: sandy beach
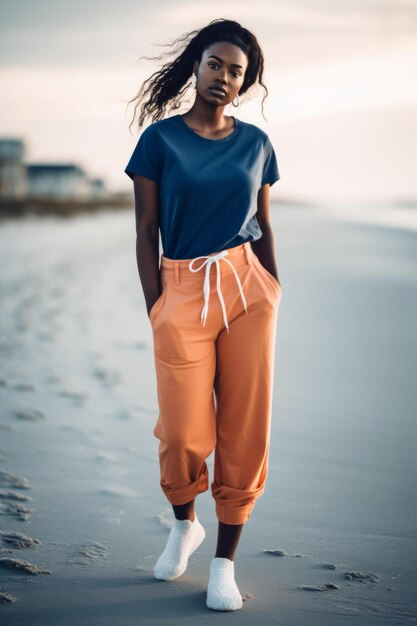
{"x":332,"y":541}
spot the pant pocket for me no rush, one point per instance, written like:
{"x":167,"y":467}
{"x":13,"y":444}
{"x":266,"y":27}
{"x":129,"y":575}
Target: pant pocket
{"x":156,"y":304}
{"x":269,"y":276}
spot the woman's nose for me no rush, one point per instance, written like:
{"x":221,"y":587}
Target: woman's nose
{"x":222,"y":74}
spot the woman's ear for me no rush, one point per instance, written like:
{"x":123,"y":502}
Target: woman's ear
{"x":195,"y":67}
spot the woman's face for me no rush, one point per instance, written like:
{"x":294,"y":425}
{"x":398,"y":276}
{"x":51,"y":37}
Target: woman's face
{"x":222,"y":65}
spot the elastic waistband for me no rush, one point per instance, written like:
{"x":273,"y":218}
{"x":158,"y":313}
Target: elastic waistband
{"x":238,"y":256}
{"x":225,"y":261}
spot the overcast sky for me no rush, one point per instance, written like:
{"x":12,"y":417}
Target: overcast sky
{"x":341,"y":110}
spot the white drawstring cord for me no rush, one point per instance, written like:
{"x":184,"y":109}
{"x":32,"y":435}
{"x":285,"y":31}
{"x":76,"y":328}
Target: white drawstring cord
{"x":209,"y":262}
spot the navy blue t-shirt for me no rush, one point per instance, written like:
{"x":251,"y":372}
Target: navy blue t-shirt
{"x":207,"y":187}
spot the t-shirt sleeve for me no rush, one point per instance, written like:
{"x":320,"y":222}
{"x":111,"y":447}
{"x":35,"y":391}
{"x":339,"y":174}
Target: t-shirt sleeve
{"x":145,"y":159}
{"x":270,"y":172}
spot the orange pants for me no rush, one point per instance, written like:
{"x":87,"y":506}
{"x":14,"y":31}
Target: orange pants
{"x":214,"y":349}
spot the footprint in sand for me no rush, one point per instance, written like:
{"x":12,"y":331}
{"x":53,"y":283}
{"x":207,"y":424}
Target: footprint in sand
{"x":118,"y":491}
{"x":247,"y":596}
{"x":108,"y":378}
{"x":95,"y":550}
{"x":10,"y":500}
{"x":30,"y":415}
{"x":19,"y":482}
{"x":14,"y":509}
{"x":79,"y":397}
{"x":6,"y":598}
{"x":89,"y":553}
{"x":24,"y":387}
{"x":327,"y":566}
{"x":324,"y":587}
{"x":23,"y":566}
{"x":13,"y":495}
{"x":137,"y":412}
{"x":360,"y":577}
{"x":276,"y":552}
{"x":284,"y":553}
{"x":18,"y":540}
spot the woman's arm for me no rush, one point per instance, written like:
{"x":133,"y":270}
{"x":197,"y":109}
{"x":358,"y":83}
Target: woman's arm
{"x":147,"y":237}
{"x":264,"y":247}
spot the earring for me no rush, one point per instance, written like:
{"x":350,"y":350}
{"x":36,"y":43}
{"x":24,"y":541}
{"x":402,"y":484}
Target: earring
{"x":238,"y":101}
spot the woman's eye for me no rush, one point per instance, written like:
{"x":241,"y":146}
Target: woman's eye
{"x":216,"y":65}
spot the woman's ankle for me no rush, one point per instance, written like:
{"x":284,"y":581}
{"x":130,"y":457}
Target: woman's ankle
{"x":184,"y":511}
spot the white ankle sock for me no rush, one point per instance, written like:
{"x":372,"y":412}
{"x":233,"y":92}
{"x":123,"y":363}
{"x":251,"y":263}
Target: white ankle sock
{"x":223,"y":593}
{"x":184,"y":538}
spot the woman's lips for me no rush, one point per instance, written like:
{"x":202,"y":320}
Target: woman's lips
{"x":217,"y":91}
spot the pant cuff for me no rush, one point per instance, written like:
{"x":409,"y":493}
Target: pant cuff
{"x":234,"y":515}
{"x":187,"y":493}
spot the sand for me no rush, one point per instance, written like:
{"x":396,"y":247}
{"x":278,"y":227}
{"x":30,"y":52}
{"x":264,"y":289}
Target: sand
{"x":333,"y":539}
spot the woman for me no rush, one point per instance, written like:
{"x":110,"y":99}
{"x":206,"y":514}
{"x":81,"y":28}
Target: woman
{"x":203,"y":179}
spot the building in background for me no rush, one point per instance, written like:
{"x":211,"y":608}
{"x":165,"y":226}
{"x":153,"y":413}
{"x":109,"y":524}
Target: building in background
{"x":55,"y":180}
{"x":13,"y":179}
{"x":61,"y":181}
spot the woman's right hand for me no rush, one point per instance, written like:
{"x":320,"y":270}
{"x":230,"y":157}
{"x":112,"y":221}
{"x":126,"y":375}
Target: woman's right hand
{"x":149,"y":309}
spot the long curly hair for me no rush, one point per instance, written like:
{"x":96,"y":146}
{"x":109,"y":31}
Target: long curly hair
{"x":164,"y":89}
